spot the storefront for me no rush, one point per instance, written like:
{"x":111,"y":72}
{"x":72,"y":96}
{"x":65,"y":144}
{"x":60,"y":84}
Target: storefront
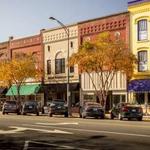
{"x":59,"y":91}
{"x":139,"y":93}
{"x":27,"y":92}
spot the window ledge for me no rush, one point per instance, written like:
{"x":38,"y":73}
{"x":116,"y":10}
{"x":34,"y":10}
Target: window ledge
{"x":143,"y":41}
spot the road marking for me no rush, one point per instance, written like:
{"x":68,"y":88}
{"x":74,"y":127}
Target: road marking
{"x":17,"y":129}
{"x":61,"y":123}
{"x":95,"y":131}
{"x":41,"y":130}
{"x":26,"y":145}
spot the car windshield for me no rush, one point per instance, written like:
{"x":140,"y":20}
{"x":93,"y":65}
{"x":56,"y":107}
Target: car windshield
{"x":10,"y":102}
{"x":31,"y":103}
{"x":93,"y":104}
{"x":58,"y":102}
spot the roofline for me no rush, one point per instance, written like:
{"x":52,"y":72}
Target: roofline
{"x":23,"y":38}
{"x":5,"y":42}
{"x":136,"y":2}
{"x":58,"y":27}
{"x":103,"y":17}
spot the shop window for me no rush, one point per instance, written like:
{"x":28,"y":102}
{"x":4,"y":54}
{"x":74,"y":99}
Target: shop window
{"x":142,"y":30}
{"x":149,"y":98}
{"x":88,"y":97}
{"x":140,"y":98}
{"x":116,"y":99}
{"x":142,"y":61}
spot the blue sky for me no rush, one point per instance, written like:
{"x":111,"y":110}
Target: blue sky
{"x":20,"y":18}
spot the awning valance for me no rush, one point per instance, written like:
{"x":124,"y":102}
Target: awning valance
{"x":142,"y":85}
{"x":24,"y":90}
{"x":62,"y":87}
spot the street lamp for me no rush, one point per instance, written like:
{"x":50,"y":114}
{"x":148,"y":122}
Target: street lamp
{"x":68,"y":70}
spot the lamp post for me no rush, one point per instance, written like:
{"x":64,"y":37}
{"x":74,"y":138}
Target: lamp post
{"x":68,"y":70}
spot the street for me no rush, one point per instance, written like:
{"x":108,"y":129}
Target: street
{"x":44,"y":133}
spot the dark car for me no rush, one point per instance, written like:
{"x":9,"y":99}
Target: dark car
{"x":30,"y":107}
{"x":58,"y":107}
{"x":126,"y":110}
{"x":11,"y":107}
{"x":92,"y":110}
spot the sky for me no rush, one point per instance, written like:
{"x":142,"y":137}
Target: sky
{"x":22,"y":18}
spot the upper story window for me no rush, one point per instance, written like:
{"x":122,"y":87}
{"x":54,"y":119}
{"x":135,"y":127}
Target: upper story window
{"x":59,"y":63}
{"x":72,"y":69}
{"x":71,"y":44}
{"x":142,"y":61}
{"x":48,"y":48}
{"x":48,"y":66}
{"x":142,"y":30}
{"x":60,"y":66}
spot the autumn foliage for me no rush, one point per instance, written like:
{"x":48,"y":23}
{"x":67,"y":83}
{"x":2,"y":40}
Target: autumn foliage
{"x":104,"y":56}
{"x":18,"y":70}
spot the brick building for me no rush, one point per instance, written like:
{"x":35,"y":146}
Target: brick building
{"x":118,"y":26}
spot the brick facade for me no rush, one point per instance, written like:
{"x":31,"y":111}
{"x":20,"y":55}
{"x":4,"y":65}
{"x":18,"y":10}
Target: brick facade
{"x":117,"y":23}
{"x":30,"y":45}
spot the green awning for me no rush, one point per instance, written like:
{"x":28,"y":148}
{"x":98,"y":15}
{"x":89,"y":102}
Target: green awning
{"x":24,"y":90}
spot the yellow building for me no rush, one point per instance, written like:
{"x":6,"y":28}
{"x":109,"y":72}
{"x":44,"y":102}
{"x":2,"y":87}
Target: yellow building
{"x":139,"y":86}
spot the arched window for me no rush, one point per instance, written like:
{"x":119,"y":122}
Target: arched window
{"x":142,"y":30}
{"x":142,"y":61}
{"x":59,"y":63}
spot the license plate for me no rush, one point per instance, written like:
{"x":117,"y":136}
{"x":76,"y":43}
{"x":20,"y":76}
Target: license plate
{"x":95,"y":109}
{"x":30,"y":106}
{"x":59,"y":107}
{"x":133,"y":110}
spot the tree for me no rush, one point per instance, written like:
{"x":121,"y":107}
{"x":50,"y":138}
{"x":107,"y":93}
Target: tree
{"x":105,"y":57}
{"x":17,"y":71}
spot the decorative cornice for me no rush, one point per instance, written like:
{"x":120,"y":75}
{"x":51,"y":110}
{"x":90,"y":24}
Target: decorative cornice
{"x":140,"y":11}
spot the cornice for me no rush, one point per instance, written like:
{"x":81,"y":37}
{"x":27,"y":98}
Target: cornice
{"x":140,"y":11}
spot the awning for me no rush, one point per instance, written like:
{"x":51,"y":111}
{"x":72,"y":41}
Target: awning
{"x":142,"y":85}
{"x":24,"y":90}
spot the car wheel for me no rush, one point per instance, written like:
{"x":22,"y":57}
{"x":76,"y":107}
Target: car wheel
{"x":37,"y":113}
{"x":24,"y":113}
{"x":129,"y":119}
{"x":3,"y":113}
{"x":139,"y":119}
{"x":102,"y":117}
{"x":66,"y":114}
{"x":83,"y":116}
{"x":120,"y":117}
{"x":18,"y":113}
{"x":50,"y":115}
{"x":111,"y":116}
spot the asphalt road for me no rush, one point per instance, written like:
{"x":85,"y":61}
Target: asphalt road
{"x":45,"y":133}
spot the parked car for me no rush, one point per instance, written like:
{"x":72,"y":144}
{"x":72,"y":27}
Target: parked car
{"x":126,"y":110}
{"x":11,"y":107}
{"x":58,"y":107}
{"x":30,"y":107}
{"x":91,"y":109}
